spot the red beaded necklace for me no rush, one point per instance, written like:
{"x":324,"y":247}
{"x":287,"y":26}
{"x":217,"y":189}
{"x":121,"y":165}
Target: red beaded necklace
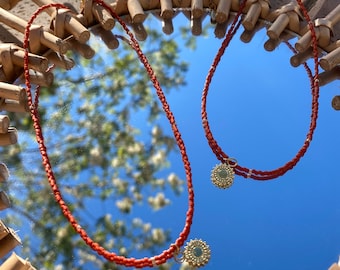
{"x":197,"y":252}
{"x":223,"y":174}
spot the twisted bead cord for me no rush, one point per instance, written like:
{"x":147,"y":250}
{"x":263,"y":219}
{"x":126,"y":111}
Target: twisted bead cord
{"x":111,"y":256}
{"x":314,"y":115}
{"x":314,"y":84}
{"x":171,"y":118}
{"x":230,"y":34}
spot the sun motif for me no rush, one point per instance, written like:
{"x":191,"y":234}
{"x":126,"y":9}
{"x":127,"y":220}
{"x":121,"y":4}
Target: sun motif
{"x":196,"y":253}
{"x":222,"y":175}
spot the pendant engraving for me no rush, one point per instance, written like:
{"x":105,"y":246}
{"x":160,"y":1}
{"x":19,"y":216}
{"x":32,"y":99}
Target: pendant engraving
{"x":196,"y":253}
{"x":222,"y":175}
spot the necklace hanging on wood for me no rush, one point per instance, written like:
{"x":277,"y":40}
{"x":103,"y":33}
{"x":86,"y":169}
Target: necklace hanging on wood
{"x":196,"y":253}
{"x":222,"y":175}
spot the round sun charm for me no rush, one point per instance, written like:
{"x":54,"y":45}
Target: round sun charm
{"x":196,"y":253}
{"x":222,"y":175}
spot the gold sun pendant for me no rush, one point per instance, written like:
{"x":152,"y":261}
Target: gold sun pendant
{"x":222,"y":175}
{"x":196,"y":253}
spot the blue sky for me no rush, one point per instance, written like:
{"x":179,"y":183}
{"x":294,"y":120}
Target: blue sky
{"x":259,"y":110}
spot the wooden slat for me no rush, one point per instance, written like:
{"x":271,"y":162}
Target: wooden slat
{"x":15,"y":262}
{"x":4,"y":201}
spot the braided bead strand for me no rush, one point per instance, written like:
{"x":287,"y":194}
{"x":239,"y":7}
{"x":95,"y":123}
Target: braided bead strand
{"x":314,"y":85}
{"x":111,"y":256}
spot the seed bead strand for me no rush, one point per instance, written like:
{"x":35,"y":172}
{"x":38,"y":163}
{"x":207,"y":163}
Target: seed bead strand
{"x":314,"y":85}
{"x":111,"y":256}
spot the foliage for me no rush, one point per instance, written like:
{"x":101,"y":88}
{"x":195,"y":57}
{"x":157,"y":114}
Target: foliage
{"x":105,"y":159}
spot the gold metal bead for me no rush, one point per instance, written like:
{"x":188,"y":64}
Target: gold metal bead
{"x":196,"y":253}
{"x":222,"y":175}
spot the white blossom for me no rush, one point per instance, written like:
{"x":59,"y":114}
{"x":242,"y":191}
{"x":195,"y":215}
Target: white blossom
{"x":158,"y":201}
{"x":158,"y":235}
{"x":175,"y":182}
{"x":124,"y":205}
{"x":137,"y":222}
{"x":135,"y":148}
{"x":96,"y":155}
{"x":146,"y":227}
{"x":107,"y":218}
{"x":158,"y":158}
{"x":137,"y":196}
{"x":159,"y":182}
{"x":61,"y":232}
{"x":123,"y":251}
{"x":59,"y":267}
{"x":120,"y":185}
{"x":156,"y":131}
{"x":110,"y":243}
{"x":115,"y":162}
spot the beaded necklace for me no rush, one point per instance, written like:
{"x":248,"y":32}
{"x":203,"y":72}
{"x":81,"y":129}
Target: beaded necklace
{"x":222,"y":174}
{"x":196,"y":252}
